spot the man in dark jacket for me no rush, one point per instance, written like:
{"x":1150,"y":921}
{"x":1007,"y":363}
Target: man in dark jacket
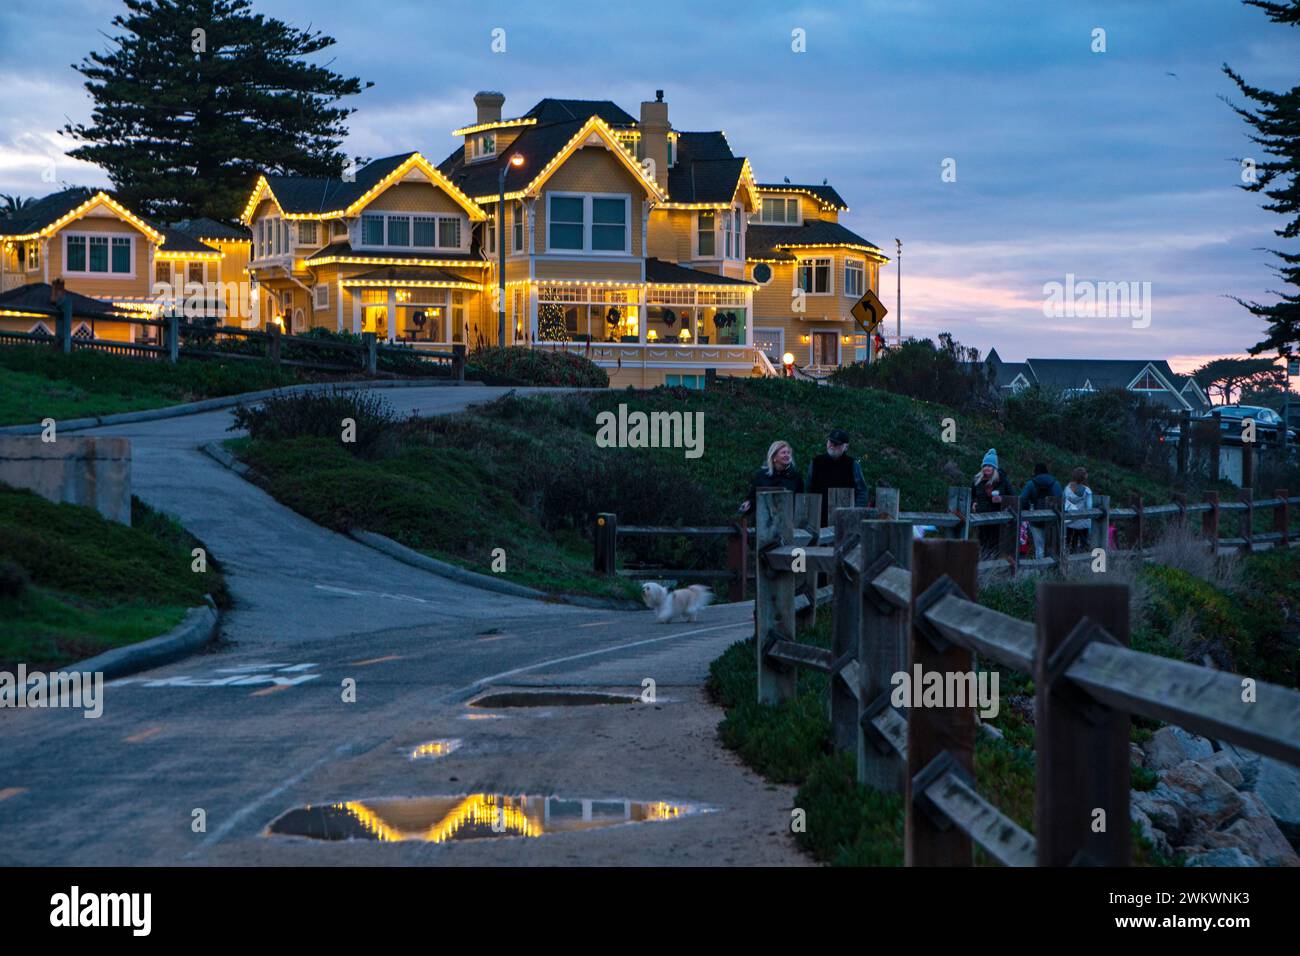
{"x":836,"y":469}
{"x":1034,"y":495}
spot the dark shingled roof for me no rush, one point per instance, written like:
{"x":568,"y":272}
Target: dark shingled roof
{"x":44,"y":211}
{"x":205,"y":228}
{"x":345,"y":249}
{"x":537,"y":144}
{"x":825,"y":193}
{"x":35,"y":297}
{"x":176,"y":241}
{"x":708,"y":180}
{"x":552,"y":110}
{"x":696,"y":146}
{"x":313,"y":194}
{"x":763,"y":242}
{"x":657,"y":270}
{"x":409,"y":274}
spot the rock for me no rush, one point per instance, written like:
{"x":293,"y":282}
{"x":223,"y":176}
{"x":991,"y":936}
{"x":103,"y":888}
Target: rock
{"x":1278,"y":787}
{"x":1247,"y":762}
{"x":1223,"y":764}
{"x":1261,"y":836}
{"x":1149,"y":832}
{"x":1170,"y":746}
{"x":1224,"y":856}
{"x":1209,"y":798}
{"x":1163,"y":814}
{"x":1136,"y":756}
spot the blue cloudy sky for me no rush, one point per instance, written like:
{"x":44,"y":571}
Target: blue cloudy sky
{"x":1100,"y":165}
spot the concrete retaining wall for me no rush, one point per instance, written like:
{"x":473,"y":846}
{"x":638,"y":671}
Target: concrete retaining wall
{"x":95,"y":472}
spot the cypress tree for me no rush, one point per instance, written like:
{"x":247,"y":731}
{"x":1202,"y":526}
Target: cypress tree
{"x":197,"y":97}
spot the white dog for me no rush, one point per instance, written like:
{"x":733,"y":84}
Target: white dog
{"x":667,"y":604}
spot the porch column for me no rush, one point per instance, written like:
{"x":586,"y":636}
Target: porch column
{"x":339,"y":291}
{"x":356,"y":313}
{"x":643,"y":313}
{"x":532,"y":313}
{"x":392,"y":313}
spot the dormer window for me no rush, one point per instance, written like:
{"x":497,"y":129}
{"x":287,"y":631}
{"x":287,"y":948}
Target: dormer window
{"x":481,"y":146}
{"x":781,"y":212}
{"x":407,"y":231}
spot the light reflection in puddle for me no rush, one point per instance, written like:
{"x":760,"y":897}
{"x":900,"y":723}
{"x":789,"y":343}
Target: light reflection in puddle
{"x":483,"y":716}
{"x":434,"y":748}
{"x":472,"y":817}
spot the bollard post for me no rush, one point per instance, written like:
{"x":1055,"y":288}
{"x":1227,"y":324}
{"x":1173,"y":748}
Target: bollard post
{"x":273,"y":343}
{"x":606,"y":537}
{"x":1281,"y":517}
{"x":173,"y":331}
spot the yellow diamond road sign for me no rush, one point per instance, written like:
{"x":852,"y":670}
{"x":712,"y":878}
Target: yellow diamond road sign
{"x":869,"y":312}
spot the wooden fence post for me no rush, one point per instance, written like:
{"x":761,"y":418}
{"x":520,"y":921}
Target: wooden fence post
{"x":808,"y":516}
{"x":458,"y":362}
{"x":1210,"y":521}
{"x":773,"y":593}
{"x":1281,"y":515}
{"x":1139,"y":526}
{"x":959,"y":505}
{"x":882,"y":651}
{"x":65,"y":325}
{"x":1081,"y":748}
{"x":887,"y":503}
{"x":372,"y":352}
{"x":837,"y":498}
{"x":1181,"y":501}
{"x":606,"y":535}
{"x":1013,"y":508}
{"x":1247,"y":497}
{"x":932,"y":731}
{"x":173,"y":332}
{"x":846,"y":624}
{"x":1216,"y":442}
{"x":738,"y":561}
{"x":1101,"y":526}
{"x":273,"y":343}
{"x":1058,"y":533}
{"x":1248,"y":464}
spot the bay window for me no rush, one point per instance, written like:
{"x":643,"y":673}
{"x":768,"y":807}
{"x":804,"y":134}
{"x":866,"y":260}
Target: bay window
{"x":854,"y":273}
{"x":814,"y":276}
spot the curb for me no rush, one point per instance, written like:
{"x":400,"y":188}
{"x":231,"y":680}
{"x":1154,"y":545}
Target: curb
{"x":483,"y":581}
{"x":225,"y":401}
{"x":199,"y":627}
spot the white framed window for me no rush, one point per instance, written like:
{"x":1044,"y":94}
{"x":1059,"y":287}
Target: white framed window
{"x":517,"y":226}
{"x":407,"y":231}
{"x":196,"y":272}
{"x":814,"y":276}
{"x":307,"y":233}
{"x":162,"y":272}
{"x":771,"y":342}
{"x":591,"y":223}
{"x":706,"y":234}
{"x":99,"y":254}
{"x":784,"y":212}
{"x":34,"y":256}
{"x":732,"y":231}
{"x":321,"y":293}
{"x":855,"y":272}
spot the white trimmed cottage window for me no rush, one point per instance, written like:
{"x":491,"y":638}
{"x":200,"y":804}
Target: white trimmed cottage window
{"x":321,"y":293}
{"x":517,"y":226}
{"x":779,"y":211}
{"x":196,"y":272}
{"x":814,"y":276}
{"x":307,"y":233}
{"x":854,"y":272}
{"x":706,"y":241}
{"x":595,"y":223}
{"x":731,"y":231}
{"x":1147,"y":383}
{"x":34,"y":256}
{"x":405,"y":231}
{"x":98,"y":255}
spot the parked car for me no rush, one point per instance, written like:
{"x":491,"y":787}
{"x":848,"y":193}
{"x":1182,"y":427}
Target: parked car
{"x":1267,"y":421}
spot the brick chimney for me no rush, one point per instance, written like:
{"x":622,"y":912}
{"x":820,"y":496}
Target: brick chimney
{"x":654,"y":136}
{"x":488,"y":104}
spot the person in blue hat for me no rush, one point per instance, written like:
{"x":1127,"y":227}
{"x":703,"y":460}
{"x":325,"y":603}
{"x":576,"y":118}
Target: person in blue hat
{"x":989,"y":491}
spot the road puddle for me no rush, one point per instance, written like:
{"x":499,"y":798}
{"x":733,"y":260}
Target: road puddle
{"x":551,"y":698}
{"x":432,"y":749}
{"x":474,"y":816}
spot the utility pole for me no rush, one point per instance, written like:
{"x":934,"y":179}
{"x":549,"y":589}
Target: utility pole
{"x":898,"y":306}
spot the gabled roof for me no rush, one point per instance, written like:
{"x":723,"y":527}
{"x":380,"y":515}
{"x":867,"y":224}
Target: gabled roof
{"x":826,"y":195}
{"x":768,"y":242}
{"x":35,"y":297}
{"x":670,"y":273}
{"x":1062,"y":374}
{"x":705,"y":181}
{"x":552,"y":110}
{"x":692,"y":146}
{"x":544,"y":148}
{"x":48,"y":215}
{"x":314,"y":197}
{"x":175,"y":241}
{"x":212,"y":229}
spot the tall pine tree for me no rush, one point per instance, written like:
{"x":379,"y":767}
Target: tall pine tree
{"x":1275,"y":118}
{"x":199,"y":96}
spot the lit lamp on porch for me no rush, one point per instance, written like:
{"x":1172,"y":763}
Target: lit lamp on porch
{"x":684,"y":336}
{"x":652,"y":336}
{"x":788,"y":361}
{"x":804,"y":340}
{"x":516,"y":160}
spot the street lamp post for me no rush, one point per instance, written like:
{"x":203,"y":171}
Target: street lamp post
{"x":516,"y":161}
{"x":898,"y":310}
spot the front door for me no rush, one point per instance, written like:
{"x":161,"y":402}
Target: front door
{"x":826,"y":348}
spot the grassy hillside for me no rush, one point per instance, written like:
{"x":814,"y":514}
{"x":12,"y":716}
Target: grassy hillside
{"x":73,"y":584}
{"x":524,"y":473}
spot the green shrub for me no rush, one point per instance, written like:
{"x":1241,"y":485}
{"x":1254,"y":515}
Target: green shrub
{"x":517,"y":365}
{"x":948,"y":373}
{"x":321,"y":415}
{"x":13,"y":579}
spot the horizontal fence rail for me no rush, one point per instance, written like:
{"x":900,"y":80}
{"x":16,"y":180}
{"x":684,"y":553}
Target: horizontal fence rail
{"x":906,"y":606}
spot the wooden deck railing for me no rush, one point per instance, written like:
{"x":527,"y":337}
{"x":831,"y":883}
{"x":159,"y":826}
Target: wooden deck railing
{"x":899,"y":604}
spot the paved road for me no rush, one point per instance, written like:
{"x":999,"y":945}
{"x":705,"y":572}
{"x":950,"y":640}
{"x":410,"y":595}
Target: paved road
{"x":260,"y":724}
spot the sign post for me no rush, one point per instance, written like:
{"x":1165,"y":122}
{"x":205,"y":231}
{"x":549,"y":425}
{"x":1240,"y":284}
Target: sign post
{"x":869,"y":312}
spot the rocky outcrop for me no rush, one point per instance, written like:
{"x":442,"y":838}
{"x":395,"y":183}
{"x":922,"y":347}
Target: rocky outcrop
{"x":1218,"y":807}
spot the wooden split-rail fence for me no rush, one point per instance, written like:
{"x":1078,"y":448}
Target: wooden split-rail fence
{"x":900,"y":604}
{"x":177,"y":339}
{"x":1137,"y":522}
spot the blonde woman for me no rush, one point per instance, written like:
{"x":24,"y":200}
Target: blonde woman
{"x":778,"y":471}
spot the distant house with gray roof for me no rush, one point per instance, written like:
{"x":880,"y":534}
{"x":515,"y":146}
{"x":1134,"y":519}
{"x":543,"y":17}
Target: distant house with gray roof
{"x":1151,"y":378}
